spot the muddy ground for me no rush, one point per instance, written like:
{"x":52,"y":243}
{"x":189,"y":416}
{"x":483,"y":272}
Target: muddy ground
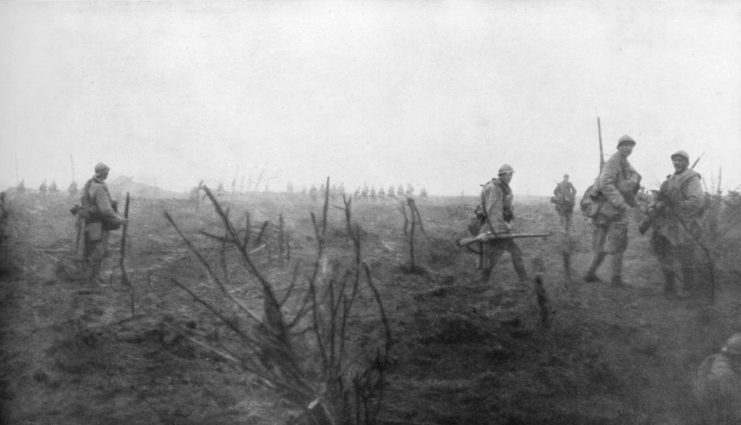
{"x":74,"y":354}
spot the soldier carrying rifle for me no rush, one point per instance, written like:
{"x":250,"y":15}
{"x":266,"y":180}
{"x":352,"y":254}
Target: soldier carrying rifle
{"x":494,"y":214}
{"x":675,"y":217}
{"x":564,"y":198}
{"x":98,"y":217}
{"x":607,"y":203}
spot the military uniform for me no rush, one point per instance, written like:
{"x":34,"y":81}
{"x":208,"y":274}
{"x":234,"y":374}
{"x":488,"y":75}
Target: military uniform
{"x":496,"y":201}
{"x":717,"y":385}
{"x":617,"y":184}
{"x":676,"y":222}
{"x":564,"y":196}
{"x":100,"y":218}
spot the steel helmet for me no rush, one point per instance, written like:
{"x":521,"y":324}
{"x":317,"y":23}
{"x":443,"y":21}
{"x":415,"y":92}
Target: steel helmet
{"x":733,"y":345}
{"x":506,"y":169}
{"x":101,"y":169}
{"x":626,"y":140}
{"x":681,"y":153}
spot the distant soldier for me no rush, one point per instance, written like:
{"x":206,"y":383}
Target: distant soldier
{"x":313,"y":194}
{"x":496,"y":206}
{"x":98,"y":211}
{"x":373,"y":193}
{"x":564,"y":197}
{"x":21,"y":188}
{"x":43,"y":189}
{"x":614,"y":190}
{"x":717,"y":385}
{"x":195,"y":196}
{"x":400,"y":192}
{"x":72,"y":189}
{"x":381,"y":192}
{"x":391,"y":193}
{"x":675,"y":217}
{"x":53,"y":187}
{"x":423,"y":193}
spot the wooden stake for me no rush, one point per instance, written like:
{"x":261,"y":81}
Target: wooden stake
{"x":122,"y":258}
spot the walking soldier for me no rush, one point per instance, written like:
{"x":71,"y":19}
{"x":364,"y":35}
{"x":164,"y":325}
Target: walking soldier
{"x":496,"y":212}
{"x":613,"y":193}
{"x":564,"y":197}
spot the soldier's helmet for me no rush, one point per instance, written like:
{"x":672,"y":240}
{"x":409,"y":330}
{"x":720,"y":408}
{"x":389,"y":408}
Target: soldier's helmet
{"x":681,"y":153}
{"x":626,"y":140}
{"x":101,"y":168}
{"x":733,"y":345}
{"x":506,"y":169}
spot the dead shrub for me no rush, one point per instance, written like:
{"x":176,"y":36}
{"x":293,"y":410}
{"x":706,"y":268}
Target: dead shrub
{"x":305,"y":345}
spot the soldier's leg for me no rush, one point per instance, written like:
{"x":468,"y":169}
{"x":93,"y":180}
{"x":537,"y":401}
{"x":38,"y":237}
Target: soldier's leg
{"x":598,"y":246}
{"x":686,"y":255}
{"x":492,"y":253}
{"x":663,"y":251}
{"x":100,"y":249}
{"x":569,"y":216}
{"x":617,"y":269}
{"x":516,"y":253}
{"x":616,"y":244}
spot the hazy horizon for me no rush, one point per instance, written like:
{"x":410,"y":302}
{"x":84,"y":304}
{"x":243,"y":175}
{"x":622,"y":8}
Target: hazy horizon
{"x":433,"y":94}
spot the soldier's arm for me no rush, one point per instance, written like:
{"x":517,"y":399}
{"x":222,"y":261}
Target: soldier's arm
{"x":494,"y":203}
{"x":608,"y":185}
{"x":103,"y":202}
{"x":694,"y":197}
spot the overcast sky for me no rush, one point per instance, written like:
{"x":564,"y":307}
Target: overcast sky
{"x":436,"y":94}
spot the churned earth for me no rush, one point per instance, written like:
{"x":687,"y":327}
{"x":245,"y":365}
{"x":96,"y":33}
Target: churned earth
{"x":74,"y":354}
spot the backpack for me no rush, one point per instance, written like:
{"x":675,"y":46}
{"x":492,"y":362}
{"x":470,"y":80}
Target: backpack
{"x":477,"y":221}
{"x":591,"y":201}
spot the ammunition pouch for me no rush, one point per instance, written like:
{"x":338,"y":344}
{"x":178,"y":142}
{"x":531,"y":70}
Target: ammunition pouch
{"x":508,"y":215}
{"x":477,"y":221}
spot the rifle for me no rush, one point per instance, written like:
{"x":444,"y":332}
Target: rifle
{"x":122,"y":258}
{"x":490,"y":237}
{"x":601,"y":153}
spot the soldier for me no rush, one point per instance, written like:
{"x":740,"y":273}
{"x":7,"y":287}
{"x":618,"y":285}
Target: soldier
{"x":42,"y":190}
{"x":496,"y":202}
{"x":675,"y":216}
{"x":72,"y":189}
{"x":717,"y":385}
{"x":615,"y":192}
{"x":564,"y":196}
{"x":100,"y":218}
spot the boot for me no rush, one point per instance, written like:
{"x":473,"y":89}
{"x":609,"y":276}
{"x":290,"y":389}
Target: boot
{"x":591,"y":272}
{"x":520,"y":268}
